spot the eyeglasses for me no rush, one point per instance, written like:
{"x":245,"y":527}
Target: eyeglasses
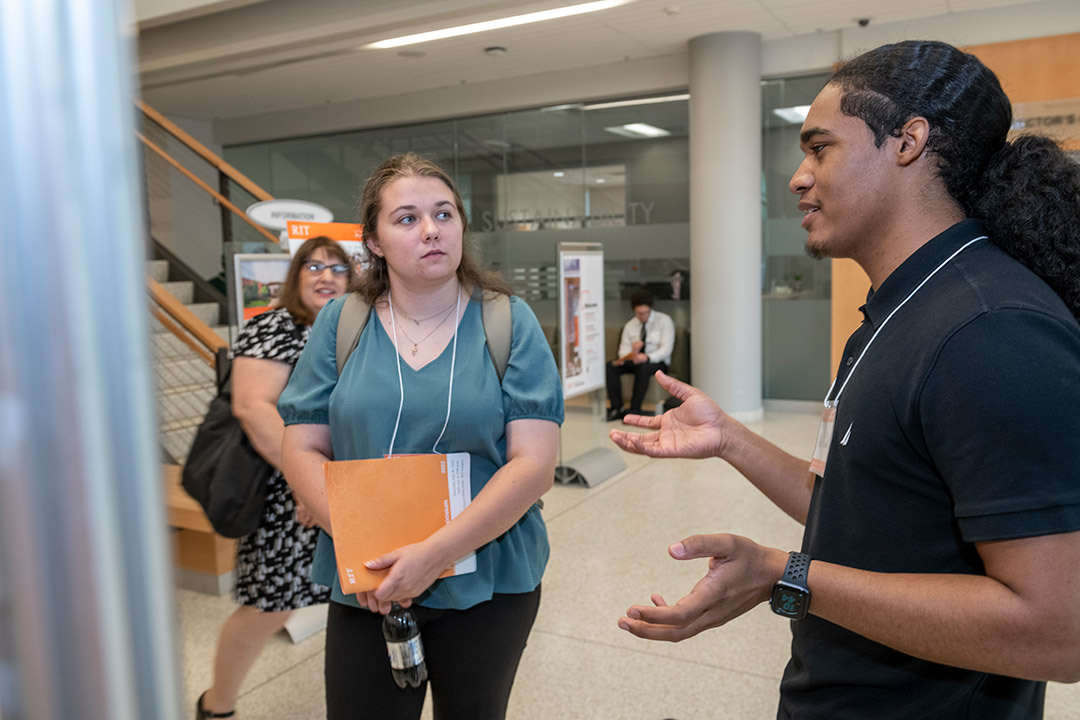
{"x":315,"y":268}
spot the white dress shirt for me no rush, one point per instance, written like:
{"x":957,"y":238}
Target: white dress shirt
{"x":659,"y":337}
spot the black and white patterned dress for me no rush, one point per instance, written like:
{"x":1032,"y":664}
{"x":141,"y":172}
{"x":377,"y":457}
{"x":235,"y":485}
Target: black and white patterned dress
{"x":273,"y":563}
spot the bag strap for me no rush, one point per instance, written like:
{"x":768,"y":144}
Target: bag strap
{"x":498,"y":329}
{"x":495,"y":318}
{"x":351,"y":322}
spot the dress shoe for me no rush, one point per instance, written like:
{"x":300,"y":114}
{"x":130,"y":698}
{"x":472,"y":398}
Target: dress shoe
{"x":202,"y":713}
{"x":615,"y":414}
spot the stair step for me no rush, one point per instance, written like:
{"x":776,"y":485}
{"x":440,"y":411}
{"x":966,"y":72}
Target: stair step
{"x":158,"y":270}
{"x":182,"y":290}
{"x":207,"y":312}
{"x":182,"y":424}
{"x":183,"y":406}
{"x":181,"y":373}
{"x":178,"y":442}
{"x":164,"y":344}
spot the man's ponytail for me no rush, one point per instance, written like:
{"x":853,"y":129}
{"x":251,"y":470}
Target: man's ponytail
{"x":1029,"y":198}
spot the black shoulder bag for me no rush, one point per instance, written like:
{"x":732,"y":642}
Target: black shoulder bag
{"x":224,"y":472}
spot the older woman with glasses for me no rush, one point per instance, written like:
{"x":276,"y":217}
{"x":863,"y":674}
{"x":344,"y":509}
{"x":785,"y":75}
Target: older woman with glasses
{"x":273,"y":563}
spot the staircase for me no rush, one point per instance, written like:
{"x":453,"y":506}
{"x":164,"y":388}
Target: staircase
{"x":179,"y":175}
{"x":184,"y":383}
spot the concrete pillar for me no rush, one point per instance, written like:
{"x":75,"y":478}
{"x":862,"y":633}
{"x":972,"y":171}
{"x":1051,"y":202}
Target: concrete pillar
{"x":725,"y":219}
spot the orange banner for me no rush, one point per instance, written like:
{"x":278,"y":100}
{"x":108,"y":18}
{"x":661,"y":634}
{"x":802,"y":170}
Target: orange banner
{"x":342,"y":232}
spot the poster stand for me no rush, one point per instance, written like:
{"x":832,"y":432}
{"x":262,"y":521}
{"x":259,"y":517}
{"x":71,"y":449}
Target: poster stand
{"x":582,"y":357}
{"x":590,"y":468}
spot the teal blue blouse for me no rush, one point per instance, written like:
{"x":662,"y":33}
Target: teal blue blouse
{"x":361,"y":406}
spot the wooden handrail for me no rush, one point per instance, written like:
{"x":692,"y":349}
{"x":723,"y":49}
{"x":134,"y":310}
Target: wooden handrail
{"x":190,"y":322}
{"x":184,"y":337}
{"x":214,"y":193}
{"x":204,"y":152}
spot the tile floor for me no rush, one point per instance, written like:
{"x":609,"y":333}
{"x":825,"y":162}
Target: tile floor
{"x":609,"y":551}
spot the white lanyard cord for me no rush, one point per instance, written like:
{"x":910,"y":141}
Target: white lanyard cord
{"x":401,"y":384}
{"x":881,"y":327}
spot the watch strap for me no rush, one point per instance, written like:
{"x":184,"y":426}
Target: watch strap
{"x":798,"y":565}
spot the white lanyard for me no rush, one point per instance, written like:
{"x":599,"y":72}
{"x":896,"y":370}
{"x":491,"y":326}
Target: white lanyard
{"x":401,"y":384}
{"x":828,"y":415}
{"x":836,"y":400}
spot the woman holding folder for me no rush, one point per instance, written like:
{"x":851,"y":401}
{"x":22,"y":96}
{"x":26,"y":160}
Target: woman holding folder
{"x":421,"y":380}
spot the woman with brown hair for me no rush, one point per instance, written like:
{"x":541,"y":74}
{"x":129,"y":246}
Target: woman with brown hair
{"x":273,"y":563}
{"x":421,"y":381}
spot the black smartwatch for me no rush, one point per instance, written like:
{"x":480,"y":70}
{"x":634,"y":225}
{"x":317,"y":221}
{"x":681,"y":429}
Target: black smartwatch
{"x":790,"y":595}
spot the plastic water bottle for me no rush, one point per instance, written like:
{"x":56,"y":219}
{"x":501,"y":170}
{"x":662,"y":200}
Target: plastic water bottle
{"x":402,"y":634}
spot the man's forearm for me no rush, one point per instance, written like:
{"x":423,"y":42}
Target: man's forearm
{"x":782,"y":477}
{"x":1020,"y":629}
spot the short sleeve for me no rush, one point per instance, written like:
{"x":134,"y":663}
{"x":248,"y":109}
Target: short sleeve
{"x":531,"y":386}
{"x":1000,"y":412}
{"x":306,"y":399}
{"x":270,"y":335}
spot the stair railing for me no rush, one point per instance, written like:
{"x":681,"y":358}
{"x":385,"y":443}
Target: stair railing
{"x":184,"y":324}
{"x":169,"y":311}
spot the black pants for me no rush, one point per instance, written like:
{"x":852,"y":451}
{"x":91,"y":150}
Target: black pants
{"x":642,"y":374}
{"x":472,"y":656}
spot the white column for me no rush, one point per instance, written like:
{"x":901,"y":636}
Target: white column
{"x":86,"y":599}
{"x":725,"y":219}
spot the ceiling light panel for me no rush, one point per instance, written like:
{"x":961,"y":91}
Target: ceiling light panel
{"x":638,"y":130}
{"x":486,"y":25}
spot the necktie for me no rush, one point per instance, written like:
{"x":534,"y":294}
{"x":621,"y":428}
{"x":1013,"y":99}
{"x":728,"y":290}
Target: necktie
{"x":642,"y":332}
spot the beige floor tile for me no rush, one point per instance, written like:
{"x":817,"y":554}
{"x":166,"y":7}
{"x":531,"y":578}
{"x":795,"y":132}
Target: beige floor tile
{"x":199,"y":619}
{"x":1062,"y":702}
{"x":573,"y":679}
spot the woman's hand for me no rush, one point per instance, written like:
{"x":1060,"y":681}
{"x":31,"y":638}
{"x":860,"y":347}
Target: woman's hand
{"x":695,"y":429}
{"x":372,"y":603}
{"x":303,"y":515}
{"x":413,"y":568}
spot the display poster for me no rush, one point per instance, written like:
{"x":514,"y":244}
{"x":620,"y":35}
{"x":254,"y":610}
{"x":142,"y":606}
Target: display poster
{"x":350,"y":235}
{"x":581,"y":317}
{"x":258,"y":279}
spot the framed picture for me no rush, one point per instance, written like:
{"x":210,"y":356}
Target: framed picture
{"x":258,"y":279}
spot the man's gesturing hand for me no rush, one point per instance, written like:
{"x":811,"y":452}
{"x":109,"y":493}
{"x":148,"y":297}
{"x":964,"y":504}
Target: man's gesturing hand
{"x":741,"y":575}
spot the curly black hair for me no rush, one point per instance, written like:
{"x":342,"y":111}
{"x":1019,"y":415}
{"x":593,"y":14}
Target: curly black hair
{"x":1026,"y":191}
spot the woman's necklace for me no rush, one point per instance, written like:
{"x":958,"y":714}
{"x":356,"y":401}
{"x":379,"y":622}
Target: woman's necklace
{"x":416,"y":343}
{"x":433,"y":315}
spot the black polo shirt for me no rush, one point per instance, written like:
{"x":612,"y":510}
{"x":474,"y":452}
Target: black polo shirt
{"x":960,"y":424}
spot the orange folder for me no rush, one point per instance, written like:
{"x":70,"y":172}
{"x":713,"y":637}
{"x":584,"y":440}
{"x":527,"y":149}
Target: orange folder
{"x":380,"y":505}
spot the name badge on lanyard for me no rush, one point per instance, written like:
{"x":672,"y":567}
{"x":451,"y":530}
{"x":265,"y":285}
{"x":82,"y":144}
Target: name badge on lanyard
{"x":824,"y":440}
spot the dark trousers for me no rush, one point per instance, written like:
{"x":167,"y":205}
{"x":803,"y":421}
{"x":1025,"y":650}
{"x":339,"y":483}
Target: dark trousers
{"x":642,"y":374}
{"x":472,"y":656}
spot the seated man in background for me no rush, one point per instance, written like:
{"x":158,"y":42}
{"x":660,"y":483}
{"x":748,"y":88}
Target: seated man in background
{"x":645,"y":347}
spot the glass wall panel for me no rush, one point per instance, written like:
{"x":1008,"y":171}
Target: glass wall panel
{"x":796,"y":289}
{"x":530,"y":180}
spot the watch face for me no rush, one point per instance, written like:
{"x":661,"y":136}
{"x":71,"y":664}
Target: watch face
{"x":789,"y":602}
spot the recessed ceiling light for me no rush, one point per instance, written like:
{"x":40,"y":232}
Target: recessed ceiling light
{"x":638,"y":101}
{"x":496,"y":24}
{"x":600,"y":181}
{"x":559,"y":173}
{"x":638,"y":130}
